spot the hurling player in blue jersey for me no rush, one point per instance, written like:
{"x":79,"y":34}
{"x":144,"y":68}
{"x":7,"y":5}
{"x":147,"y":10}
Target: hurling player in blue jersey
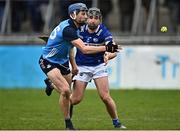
{"x":54,"y":60}
{"x":93,"y":66}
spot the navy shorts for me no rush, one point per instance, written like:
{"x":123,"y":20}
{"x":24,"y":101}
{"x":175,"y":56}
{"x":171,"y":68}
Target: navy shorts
{"x":47,"y":66}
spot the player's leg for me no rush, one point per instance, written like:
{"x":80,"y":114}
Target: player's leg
{"x":54,"y":73}
{"x":64,"y":71}
{"x":69,"y":80}
{"x":80,"y":82}
{"x":101,"y":81}
{"x":63,"y":88}
{"x":77,"y":94}
{"x":102,"y":86}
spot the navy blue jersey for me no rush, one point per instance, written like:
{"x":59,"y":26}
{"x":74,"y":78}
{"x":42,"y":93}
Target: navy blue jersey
{"x":59,"y":42}
{"x":99,"y":37}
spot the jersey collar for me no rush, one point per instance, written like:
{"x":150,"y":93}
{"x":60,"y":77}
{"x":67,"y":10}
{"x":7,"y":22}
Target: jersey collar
{"x":70,"y":21}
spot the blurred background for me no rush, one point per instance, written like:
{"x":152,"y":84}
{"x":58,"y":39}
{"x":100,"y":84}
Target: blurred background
{"x":135,"y":24}
{"x":137,"y":17}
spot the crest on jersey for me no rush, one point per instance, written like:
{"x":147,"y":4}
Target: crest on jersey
{"x":95,"y":40}
{"x":89,"y":39}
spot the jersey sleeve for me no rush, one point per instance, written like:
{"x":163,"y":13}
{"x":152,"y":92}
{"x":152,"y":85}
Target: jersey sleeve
{"x":70,"y":33}
{"x":107,"y":35}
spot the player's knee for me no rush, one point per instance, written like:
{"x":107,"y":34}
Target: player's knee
{"x":76,"y":100}
{"x":106,"y":98}
{"x":66,"y":93}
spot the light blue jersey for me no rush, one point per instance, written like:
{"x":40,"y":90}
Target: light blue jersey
{"x":58,"y":46}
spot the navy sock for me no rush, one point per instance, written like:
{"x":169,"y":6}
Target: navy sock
{"x":116,"y":122}
{"x":68,"y":123}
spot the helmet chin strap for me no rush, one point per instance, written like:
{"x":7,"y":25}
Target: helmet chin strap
{"x":73,"y":16}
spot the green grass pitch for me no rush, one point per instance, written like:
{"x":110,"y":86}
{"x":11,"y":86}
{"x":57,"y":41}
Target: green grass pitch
{"x":137,"y":109}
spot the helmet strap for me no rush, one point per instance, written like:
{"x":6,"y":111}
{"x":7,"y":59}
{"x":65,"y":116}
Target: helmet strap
{"x":73,"y":15}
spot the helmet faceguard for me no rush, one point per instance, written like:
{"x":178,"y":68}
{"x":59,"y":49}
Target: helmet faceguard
{"x":94,"y":12}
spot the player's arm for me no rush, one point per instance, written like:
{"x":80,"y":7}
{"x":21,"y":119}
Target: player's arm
{"x":70,"y":34}
{"x":73,"y":62}
{"x":87,"y":49}
{"x":108,"y":38}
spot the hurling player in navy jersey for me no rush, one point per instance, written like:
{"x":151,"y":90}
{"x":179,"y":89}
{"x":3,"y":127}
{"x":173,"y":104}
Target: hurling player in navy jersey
{"x":94,"y":66}
{"x":54,"y":60}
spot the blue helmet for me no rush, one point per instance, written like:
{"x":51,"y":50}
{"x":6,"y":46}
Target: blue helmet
{"x":77,"y":7}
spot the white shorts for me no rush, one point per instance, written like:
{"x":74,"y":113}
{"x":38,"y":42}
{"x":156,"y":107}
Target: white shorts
{"x":87,"y":73}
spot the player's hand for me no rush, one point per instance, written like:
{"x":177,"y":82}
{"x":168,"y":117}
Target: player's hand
{"x":106,"y":58}
{"x":111,"y":47}
{"x":74,"y":71}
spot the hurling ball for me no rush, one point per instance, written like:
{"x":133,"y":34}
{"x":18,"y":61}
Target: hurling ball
{"x":164,"y":29}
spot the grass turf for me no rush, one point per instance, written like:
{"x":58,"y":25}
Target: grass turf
{"x":137,"y":109}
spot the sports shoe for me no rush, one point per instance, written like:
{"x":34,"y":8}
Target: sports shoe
{"x":120,"y":126}
{"x":70,"y":128}
{"x":71,"y":111}
{"x":49,"y":88}
{"x":123,"y":127}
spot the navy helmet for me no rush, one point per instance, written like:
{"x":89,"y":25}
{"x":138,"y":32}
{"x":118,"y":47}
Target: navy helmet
{"x":77,"y":7}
